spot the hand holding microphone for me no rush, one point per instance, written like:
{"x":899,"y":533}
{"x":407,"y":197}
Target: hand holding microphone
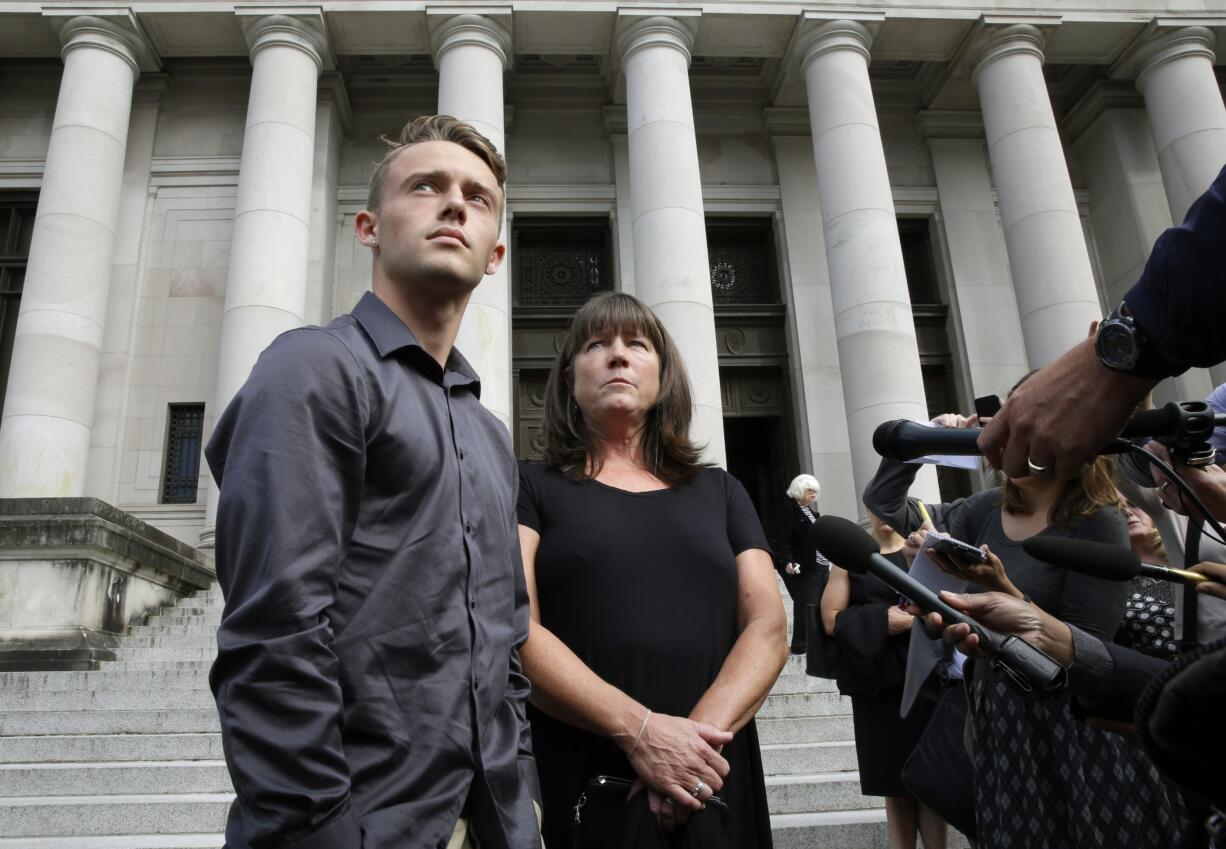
{"x":1026,"y":668}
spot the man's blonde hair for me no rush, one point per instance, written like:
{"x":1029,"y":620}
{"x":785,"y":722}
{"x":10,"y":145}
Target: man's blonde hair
{"x":437,"y":128}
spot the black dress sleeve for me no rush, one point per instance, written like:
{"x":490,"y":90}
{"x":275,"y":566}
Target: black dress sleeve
{"x":528,"y":506}
{"x":781,"y":535}
{"x":744,"y":527}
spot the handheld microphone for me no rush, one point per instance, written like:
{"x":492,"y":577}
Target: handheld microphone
{"x":1111,"y":562}
{"x":1026,"y":668}
{"x":904,"y":440}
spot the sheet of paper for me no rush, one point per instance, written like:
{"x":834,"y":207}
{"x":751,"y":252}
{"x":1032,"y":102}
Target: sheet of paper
{"x":924,"y":652}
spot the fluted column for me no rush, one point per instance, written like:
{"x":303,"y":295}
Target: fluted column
{"x":266,"y":283}
{"x":1054,"y":284}
{"x":982,"y":286}
{"x":874,"y":326}
{"x":1174,"y":72}
{"x":471,"y":52}
{"x":53,"y":379}
{"x":671,"y":270}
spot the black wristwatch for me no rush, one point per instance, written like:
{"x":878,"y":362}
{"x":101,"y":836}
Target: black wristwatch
{"x":1123,"y":346}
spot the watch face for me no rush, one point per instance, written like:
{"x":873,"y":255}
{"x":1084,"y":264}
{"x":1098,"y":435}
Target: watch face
{"x":1117,"y":347}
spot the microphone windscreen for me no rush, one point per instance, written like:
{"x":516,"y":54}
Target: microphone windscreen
{"x":843,"y":543}
{"x":1112,"y":562}
{"x":885,"y":437}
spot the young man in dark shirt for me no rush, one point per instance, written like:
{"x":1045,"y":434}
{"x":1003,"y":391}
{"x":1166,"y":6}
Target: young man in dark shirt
{"x":368,"y":676}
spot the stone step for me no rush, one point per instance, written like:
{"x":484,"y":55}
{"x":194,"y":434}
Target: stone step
{"x":805,"y":704}
{"x":803,"y":794}
{"x":798,"y":758}
{"x":152,"y":697}
{"x":165,"y":651}
{"x":107,"y":677}
{"x":805,"y":730}
{"x":187,"y":609}
{"x":207,"y":602}
{"x":859,"y":829}
{"x":53,"y":816}
{"x":118,"y":841}
{"x":196,"y":666}
{"x":790,"y":682}
{"x":80,"y":748}
{"x":129,"y":777}
{"x":198,"y":626}
{"x":185,"y":642}
{"x":141,"y":720}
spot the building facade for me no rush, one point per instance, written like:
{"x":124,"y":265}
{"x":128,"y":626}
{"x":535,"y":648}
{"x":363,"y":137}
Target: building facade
{"x":844,"y":215}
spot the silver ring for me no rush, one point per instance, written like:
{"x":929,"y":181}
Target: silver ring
{"x":1035,"y":469}
{"x":1162,"y":486}
{"x":698,"y":788}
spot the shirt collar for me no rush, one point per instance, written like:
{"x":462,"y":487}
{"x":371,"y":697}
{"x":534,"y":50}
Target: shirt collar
{"x":392,"y":335}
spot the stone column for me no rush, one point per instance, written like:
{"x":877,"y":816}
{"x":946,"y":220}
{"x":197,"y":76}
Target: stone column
{"x":266,"y":284}
{"x":982,"y":287}
{"x":671,"y":269}
{"x":817,"y":384}
{"x":117,"y":343}
{"x":53,"y":379}
{"x":1056,"y":294}
{"x":1186,"y":114}
{"x":873,"y":322}
{"x":471,"y":53}
{"x":1174,"y":71}
{"x":1113,"y":144}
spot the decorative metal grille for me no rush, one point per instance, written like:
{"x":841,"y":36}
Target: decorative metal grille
{"x":184,"y":433}
{"x":559,"y":271}
{"x":742,"y":265}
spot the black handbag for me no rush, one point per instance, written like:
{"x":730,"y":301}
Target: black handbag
{"x":604,"y":819}
{"x":939,"y":772}
{"x":821,"y":649}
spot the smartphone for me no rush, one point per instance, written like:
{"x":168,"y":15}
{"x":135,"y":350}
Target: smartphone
{"x":959,"y":550}
{"x":987,"y":406}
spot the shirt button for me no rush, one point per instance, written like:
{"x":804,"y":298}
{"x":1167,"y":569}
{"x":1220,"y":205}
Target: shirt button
{"x":461,"y":453}
{"x":472,"y":603}
{"x":468,"y":526}
{"x":476,"y":685}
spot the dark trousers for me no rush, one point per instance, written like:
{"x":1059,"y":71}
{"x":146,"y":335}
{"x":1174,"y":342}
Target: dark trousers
{"x":805,"y":588}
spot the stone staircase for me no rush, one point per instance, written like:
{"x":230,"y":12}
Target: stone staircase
{"x":129,"y":757}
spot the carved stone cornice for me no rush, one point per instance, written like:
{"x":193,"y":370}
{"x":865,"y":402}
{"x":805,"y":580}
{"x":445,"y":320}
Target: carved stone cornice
{"x":110,"y":28}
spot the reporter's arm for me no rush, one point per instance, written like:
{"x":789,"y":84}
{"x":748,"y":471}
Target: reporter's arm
{"x":289,"y":457}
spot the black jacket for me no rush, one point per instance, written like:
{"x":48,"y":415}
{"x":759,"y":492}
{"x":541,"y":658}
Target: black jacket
{"x":790,"y":540}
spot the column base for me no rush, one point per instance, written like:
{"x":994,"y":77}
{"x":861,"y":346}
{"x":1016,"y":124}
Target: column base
{"x":76,"y":573}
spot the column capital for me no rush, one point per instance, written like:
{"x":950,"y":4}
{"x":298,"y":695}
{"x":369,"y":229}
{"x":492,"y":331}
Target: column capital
{"x":655,"y":31}
{"x":480,"y":30}
{"x":115,"y":32}
{"x":1166,"y":44}
{"x":996,"y":42}
{"x":300,"y":29}
{"x":836,"y":35}
{"x":949,"y":124}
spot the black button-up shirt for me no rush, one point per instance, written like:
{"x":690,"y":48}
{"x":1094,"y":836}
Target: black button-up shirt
{"x":368,"y":676}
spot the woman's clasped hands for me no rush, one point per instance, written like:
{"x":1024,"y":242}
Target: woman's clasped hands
{"x":678,"y":760}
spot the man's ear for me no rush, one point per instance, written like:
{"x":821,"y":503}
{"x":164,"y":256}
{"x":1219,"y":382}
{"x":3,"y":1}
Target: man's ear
{"x":496,"y":257}
{"x":366,"y":226}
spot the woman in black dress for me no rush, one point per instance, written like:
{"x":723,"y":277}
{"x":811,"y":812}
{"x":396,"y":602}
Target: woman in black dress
{"x":801,"y":565}
{"x":873,"y":635}
{"x":657,"y":627}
